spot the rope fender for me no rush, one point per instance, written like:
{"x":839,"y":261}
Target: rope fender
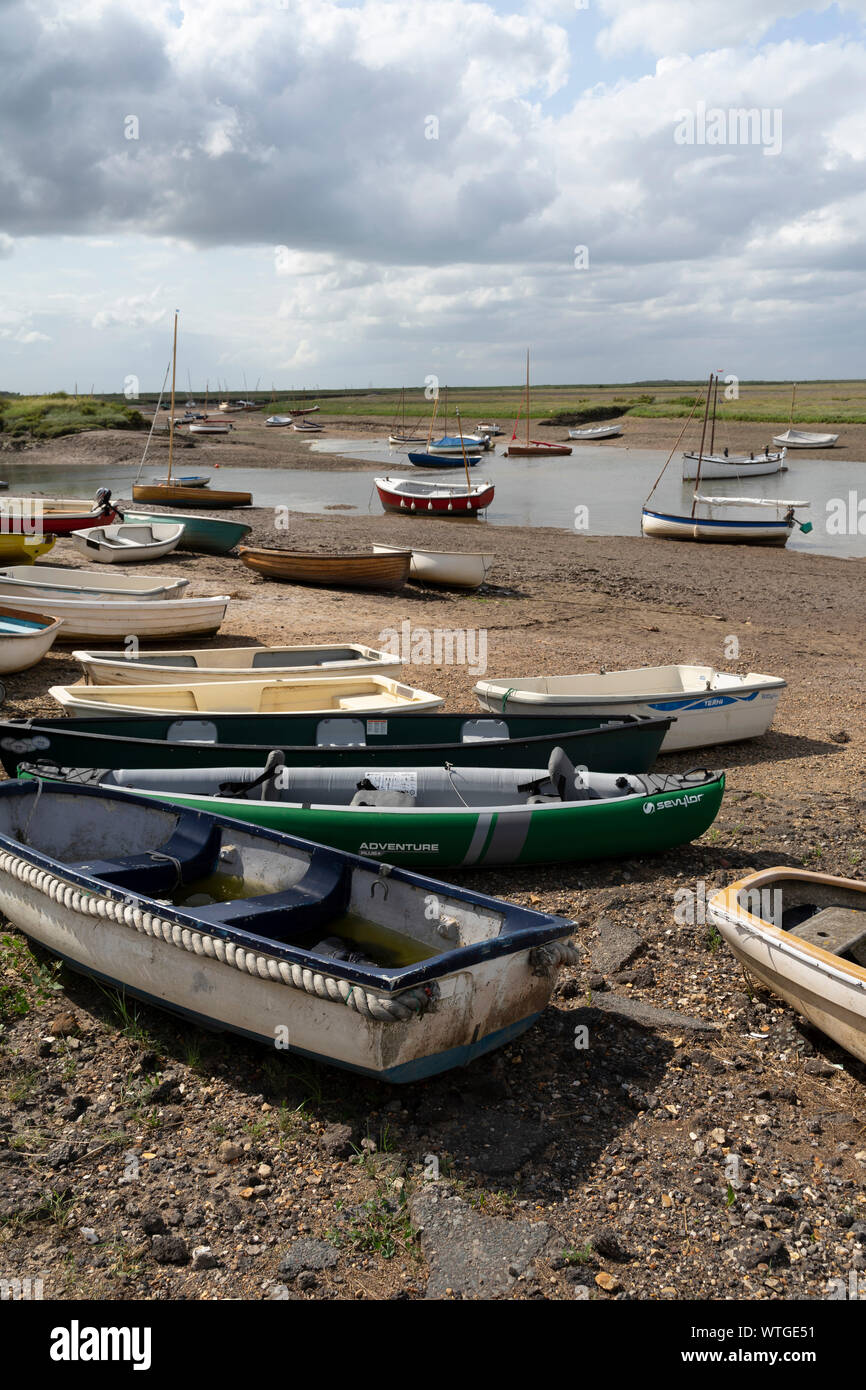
{"x":552,"y":955}
{"x":380,"y":1008}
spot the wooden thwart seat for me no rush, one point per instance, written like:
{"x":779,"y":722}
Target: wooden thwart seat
{"x":839,"y":930}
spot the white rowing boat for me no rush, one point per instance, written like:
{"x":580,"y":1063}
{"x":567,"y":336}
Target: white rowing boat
{"x":454,"y":569}
{"x":708,"y":706}
{"x":25,"y":638}
{"x":127,"y":543}
{"x":176,"y":667}
{"x":51,"y":581}
{"x":803,"y":936}
{"x":593,"y":432}
{"x":368,"y":694}
{"x":93,"y":620}
{"x":715,"y":466}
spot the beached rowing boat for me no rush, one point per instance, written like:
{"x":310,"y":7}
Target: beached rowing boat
{"x":25,"y":638}
{"x":393,"y":975}
{"x":803,"y":936}
{"x":178,"y":667}
{"x":93,"y":619}
{"x":333,"y":740}
{"x":440,"y":815}
{"x":367,"y":694}
{"x":376,"y":571}
{"x":53,"y":581}
{"x":455,"y":569}
{"x":709,"y":706}
{"x":209,"y":534}
{"x":127,"y":543}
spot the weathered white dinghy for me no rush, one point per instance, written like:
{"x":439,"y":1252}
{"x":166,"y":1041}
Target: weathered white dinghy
{"x":175,"y":667}
{"x":374,"y":694}
{"x":25,"y":638}
{"x":455,"y":569}
{"x":708,"y":706}
{"x":50,"y":581}
{"x":381,"y":970}
{"x":596,"y":432}
{"x":93,"y":620}
{"x":127,"y":543}
{"x":803,"y":935}
{"x":737,"y":466}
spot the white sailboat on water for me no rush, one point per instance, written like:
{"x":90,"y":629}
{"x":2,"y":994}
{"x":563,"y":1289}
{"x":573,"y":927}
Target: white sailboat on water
{"x":752,"y":526}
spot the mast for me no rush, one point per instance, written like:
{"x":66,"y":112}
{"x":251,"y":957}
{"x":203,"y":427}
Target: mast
{"x":527,"y":396}
{"x":171,"y":421}
{"x":432,"y":419}
{"x":701,"y":450}
{"x":715,"y":403}
{"x":463,"y":447}
{"x":793,"y":394}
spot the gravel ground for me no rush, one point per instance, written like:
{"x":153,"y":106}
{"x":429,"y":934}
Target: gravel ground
{"x":704,"y":1144}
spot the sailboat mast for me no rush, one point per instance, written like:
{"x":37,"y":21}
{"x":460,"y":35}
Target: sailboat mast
{"x":463,"y":447}
{"x":527,"y":396}
{"x":171,"y":418}
{"x":793,"y":395}
{"x":701,"y":450}
{"x":715,"y":403}
{"x":432,"y":419}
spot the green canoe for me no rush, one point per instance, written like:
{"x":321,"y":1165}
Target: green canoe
{"x":439,"y":815}
{"x":411,"y":740}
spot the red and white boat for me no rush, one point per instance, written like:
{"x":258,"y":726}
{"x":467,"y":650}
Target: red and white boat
{"x":55,"y":516}
{"x":421,"y":498}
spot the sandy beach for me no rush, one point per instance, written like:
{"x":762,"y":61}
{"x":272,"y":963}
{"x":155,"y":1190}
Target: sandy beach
{"x":615,"y":1159}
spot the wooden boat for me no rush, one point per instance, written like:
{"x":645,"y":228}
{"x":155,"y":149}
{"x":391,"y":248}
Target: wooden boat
{"x":624,"y":744}
{"x":752,"y":526}
{"x":92,"y":619}
{"x":185,"y":480}
{"x":802,"y":439}
{"x":533,"y":448}
{"x":171,"y":493}
{"x":803,"y":936}
{"x":733,"y":466}
{"x":441,"y":815}
{"x":52,"y":581}
{"x":395,"y":976}
{"x":709,"y":706}
{"x":127,"y":543}
{"x":338,"y":571}
{"x":202,"y":533}
{"x":595,"y":432}
{"x":25,"y":638}
{"x":23,"y":549}
{"x":39,"y":517}
{"x":367,"y":694}
{"x":174,"y":667}
{"x":455,"y":569}
{"x":434,"y":498}
{"x":421,"y":459}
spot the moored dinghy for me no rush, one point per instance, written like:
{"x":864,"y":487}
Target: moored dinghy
{"x":709,"y":706}
{"x":802,"y":439}
{"x":127,"y":543}
{"x":175,"y":667}
{"x":441,"y":815}
{"x":25,"y":638}
{"x":335,"y":740}
{"x":421,"y":498}
{"x":367,"y":694}
{"x":394,"y":976}
{"x":376,"y":571}
{"x":594,"y":432}
{"x":803,"y":935}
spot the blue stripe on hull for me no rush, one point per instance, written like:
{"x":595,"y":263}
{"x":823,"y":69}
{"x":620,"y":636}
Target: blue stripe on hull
{"x":718,"y":522}
{"x":415,"y":1070}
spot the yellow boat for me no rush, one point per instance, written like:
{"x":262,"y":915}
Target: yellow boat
{"x":23,"y":550}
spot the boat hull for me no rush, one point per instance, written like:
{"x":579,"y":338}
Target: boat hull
{"x":178,"y":668}
{"x":736,"y":468}
{"x":362,"y":693}
{"x":453,"y":569}
{"x":50,"y":582}
{"x":52,"y":516}
{"x":24,"y":550}
{"x":188,"y":496}
{"x":603,"y":432}
{"x":201,"y":533}
{"x":449,"y":503}
{"x":413,"y":740}
{"x":21,"y":649}
{"x":450,"y":460}
{"x":716,"y":531}
{"x":704,"y":717}
{"x":537,"y":451}
{"x":229,"y":978}
{"x":827,"y":991}
{"x":445,"y":836}
{"x":388,"y":571}
{"x":802,"y":439}
{"x":101,"y":543}
{"x":96,"y":620}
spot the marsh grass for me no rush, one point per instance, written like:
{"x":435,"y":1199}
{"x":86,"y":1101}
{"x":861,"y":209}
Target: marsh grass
{"x":48,"y":417}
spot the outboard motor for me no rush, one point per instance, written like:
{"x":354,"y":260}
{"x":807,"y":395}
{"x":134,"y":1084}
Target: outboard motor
{"x":103,"y":501}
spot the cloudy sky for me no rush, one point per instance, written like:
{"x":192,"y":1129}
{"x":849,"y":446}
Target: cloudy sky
{"x":370,"y":191}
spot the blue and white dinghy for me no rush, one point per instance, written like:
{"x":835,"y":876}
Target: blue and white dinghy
{"x":339,"y":958}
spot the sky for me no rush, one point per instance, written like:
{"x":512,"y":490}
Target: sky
{"x":376,"y":191}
